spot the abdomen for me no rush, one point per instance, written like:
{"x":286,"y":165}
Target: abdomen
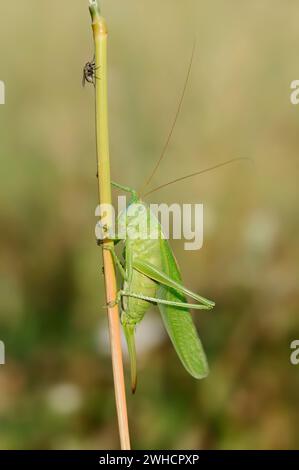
{"x":135,"y":309}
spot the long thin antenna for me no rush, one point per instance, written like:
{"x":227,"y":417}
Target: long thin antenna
{"x":197,"y":173}
{"x":174,"y":121}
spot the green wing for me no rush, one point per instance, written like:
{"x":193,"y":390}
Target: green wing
{"x":178,"y":321}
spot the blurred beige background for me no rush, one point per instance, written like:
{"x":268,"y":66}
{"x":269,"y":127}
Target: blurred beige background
{"x":56,"y":388}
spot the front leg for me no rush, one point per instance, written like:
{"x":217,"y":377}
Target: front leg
{"x":114,"y":302}
{"x":116,"y":260}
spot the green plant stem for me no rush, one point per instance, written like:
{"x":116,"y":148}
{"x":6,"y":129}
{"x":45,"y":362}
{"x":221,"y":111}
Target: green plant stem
{"x":100,"y":35}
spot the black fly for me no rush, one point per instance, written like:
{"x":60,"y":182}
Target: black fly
{"x":89,"y":73}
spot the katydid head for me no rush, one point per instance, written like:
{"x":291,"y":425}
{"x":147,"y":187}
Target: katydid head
{"x":134,"y":199}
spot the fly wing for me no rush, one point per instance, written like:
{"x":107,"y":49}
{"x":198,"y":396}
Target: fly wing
{"x":178,"y":320}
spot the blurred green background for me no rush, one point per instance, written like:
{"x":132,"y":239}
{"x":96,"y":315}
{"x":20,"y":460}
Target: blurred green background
{"x":56,"y":388}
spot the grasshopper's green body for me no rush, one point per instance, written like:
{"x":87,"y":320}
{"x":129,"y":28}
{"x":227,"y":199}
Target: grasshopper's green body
{"x":134,"y":309}
{"x":151,"y":275}
{"x":139,"y":249}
